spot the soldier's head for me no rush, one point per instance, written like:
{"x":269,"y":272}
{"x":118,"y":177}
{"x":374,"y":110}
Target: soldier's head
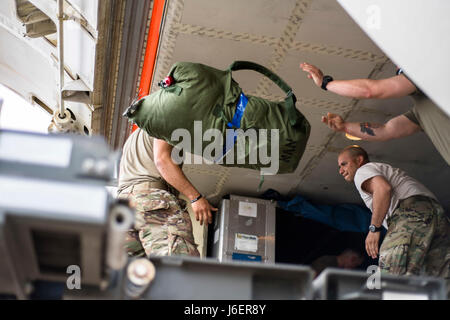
{"x":351,"y":159}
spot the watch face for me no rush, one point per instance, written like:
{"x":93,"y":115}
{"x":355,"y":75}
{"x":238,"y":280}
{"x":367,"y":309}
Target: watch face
{"x":372,"y":228}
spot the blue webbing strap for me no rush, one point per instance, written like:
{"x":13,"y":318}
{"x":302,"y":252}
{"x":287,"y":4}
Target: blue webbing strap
{"x":240,"y":108}
{"x":235,"y":123}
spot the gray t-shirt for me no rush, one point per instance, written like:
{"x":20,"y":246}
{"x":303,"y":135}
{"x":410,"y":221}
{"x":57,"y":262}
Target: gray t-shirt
{"x":403,"y":186}
{"x":137,"y":163}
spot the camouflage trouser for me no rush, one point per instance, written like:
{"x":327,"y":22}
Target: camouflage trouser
{"x":162,"y":226}
{"x":417,"y":241}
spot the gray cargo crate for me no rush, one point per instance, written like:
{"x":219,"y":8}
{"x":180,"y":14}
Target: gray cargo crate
{"x":339,"y":284}
{"x":245,"y":230}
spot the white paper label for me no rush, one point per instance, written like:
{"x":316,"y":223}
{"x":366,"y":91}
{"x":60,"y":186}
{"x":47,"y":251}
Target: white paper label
{"x":216,"y":235}
{"x":248,"y":209}
{"x":246,"y":242}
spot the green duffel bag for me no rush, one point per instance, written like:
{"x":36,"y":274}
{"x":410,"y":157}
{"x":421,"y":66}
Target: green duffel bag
{"x":249,"y":132}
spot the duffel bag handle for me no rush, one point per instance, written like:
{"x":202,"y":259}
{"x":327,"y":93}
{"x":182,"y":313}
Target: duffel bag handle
{"x":290,"y":97}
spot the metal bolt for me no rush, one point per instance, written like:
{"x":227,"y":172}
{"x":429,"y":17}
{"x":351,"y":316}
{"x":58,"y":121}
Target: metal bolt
{"x":140,"y":274}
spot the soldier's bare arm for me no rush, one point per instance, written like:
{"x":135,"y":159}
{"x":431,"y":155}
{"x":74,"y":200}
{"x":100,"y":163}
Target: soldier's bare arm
{"x":394,"y":87}
{"x":173,"y":174}
{"x":395,"y":128}
{"x":381,"y":191}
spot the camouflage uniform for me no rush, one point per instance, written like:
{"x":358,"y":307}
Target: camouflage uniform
{"x":162,"y":224}
{"x":417,"y":241}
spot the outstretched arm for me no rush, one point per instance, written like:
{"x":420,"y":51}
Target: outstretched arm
{"x":173,"y":174}
{"x":395,"y":128}
{"x":394,"y":87}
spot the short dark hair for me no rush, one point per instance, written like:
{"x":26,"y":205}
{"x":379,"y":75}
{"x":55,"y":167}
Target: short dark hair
{"x":356,"y":151}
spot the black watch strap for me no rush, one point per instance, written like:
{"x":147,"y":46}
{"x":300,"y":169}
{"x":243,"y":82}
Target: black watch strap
{"x":374,"y":228}
{"x":325,"y":81}
{"x":196,"y":199}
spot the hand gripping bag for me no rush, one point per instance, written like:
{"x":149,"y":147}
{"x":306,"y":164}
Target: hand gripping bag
{"x":196,"y":97}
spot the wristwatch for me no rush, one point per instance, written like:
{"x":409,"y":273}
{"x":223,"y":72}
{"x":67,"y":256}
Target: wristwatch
{"x":196,"y":199}
{"x":325,"y":81}
{"x":373,"y":228}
